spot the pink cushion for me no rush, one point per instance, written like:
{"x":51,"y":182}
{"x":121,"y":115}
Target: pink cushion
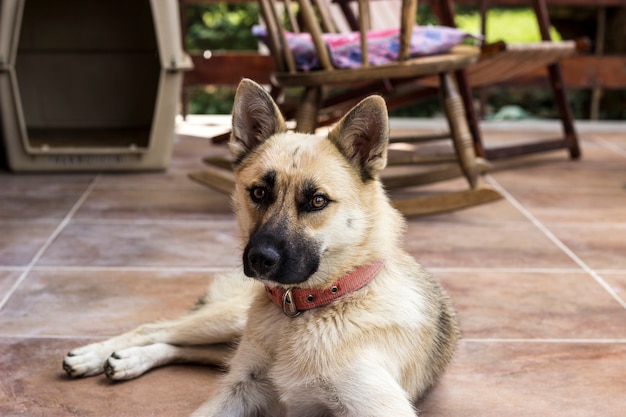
{"x":383,"y":45}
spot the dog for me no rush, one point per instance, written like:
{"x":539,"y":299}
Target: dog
{"x":337,"y":320}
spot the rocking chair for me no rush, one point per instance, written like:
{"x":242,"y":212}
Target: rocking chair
{"x":312,"y":22}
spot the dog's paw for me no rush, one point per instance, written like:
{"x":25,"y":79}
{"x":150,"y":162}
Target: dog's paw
{"x":86,"y":361}
{"x":128,"y":363}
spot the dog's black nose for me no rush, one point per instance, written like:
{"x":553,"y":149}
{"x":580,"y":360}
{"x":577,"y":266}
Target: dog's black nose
{"x":263,"y":259}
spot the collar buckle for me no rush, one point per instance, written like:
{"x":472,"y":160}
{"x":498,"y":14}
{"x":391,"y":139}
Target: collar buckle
{"x":289,"y":306}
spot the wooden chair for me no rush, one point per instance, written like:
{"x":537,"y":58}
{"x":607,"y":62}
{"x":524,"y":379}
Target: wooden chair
{"x":501,"y":61}
{"x":315,"y":108}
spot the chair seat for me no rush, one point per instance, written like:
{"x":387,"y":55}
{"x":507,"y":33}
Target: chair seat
{"x":518,"y":59}
{"x":458,"y":57}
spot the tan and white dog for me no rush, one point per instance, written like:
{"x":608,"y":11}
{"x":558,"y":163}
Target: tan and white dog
{"x":337,"y":320}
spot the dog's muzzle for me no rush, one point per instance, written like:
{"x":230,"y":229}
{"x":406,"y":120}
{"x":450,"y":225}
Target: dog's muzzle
{"x":275,"y":253}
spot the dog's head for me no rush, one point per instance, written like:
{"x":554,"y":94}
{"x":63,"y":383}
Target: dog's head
{"x":305,"y":203}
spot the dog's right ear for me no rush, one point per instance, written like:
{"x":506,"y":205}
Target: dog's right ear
{"x":256,"y":117}
{"x":362,"y":136}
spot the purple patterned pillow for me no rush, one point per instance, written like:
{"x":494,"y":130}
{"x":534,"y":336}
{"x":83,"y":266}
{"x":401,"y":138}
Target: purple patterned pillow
{"x":383,"y":45}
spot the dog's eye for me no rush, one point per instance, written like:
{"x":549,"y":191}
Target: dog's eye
{"x":258,"y":194}
{"x":318,"y":202}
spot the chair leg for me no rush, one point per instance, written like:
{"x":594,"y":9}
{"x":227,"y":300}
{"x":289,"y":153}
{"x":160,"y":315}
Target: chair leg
{"x":472,"y":118}
{"x":306,"y":116}
{"x":556,"y":81}
{"x":461,"y":137}
{"x":565,"y":112}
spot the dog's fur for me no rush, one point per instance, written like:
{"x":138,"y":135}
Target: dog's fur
{"x":310,"y":209}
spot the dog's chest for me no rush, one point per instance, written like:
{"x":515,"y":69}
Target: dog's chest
{"x":300,"y":347}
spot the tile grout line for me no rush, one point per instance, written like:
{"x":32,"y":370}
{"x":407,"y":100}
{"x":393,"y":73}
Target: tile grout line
{"x":147,"y":268}
{"x":155,"y":221}
{"x":57,"y":231}
{"x":556,"y":240}
{"x":542,"y":340}
{"x":610,"y":146}
{"x":558,"y":270}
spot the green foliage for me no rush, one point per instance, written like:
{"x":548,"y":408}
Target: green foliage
{"x":211,"y":99}
{"x":221,"y":26}
{"x":425,"y":15}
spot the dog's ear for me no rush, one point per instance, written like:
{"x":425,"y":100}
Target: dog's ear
{"x":256,"y":117}
{"x":362,"y":136}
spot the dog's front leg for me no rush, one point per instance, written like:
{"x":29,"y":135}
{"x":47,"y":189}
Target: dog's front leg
{"x":246,"y":391}
{"x":367,"y":389}
{"x":220,"y":320}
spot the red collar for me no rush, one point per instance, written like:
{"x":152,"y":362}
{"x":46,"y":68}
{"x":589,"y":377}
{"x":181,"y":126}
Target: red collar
{"x":293,"y":301}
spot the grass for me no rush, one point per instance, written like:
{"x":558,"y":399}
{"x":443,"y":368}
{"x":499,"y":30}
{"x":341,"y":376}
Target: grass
{"x":510,"y":25}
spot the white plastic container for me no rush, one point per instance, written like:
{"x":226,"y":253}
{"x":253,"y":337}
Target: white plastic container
{"x":89,"y":84}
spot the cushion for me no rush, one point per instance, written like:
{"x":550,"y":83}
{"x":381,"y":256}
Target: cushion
{"x":383,"y":45}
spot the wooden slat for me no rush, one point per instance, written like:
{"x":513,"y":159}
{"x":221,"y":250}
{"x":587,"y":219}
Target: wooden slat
{"x":409,"y":10}
{"x":583,"y":71}
{"x":229,"y":68}
{"x":421,"y":206}
{"x":219,"y":179}
{"x":518,"y":150}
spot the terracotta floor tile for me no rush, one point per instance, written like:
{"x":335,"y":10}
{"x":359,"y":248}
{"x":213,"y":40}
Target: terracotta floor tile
{"x":7,"y":280}
{"x":153,"y":203}
{"x":617,"y":281}
{"x":175,"y":177}
{"x":578,"y":207}
{"x":466,"y":244}
{"x":531,"y":379}
{"x":31,"y":202}
{"x":194,"y":148}
{"x":98,"y":303}
{"x":34,"y":385}
{"x":601,"y":169}
{"x":20,"y":240}
{"x":533,"y":305}
{"x":600,"y":247}
{"x":613,"y":141}
{"x":44,"y":181}
{"x":136,"y":243}
{"x":187,"y":158}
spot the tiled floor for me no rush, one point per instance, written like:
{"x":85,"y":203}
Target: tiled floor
{"x":539,"y":279}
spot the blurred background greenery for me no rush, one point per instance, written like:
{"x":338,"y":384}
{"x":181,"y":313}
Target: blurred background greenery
{"x":228,"y":26}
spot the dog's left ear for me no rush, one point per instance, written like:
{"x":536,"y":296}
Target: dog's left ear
{"x":256,"y":117}
{"x":362,"y":136}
